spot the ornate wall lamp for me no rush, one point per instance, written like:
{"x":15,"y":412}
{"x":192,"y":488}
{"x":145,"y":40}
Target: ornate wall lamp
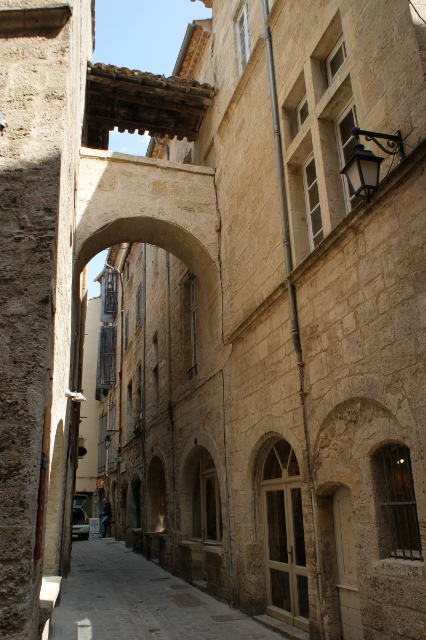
{"x":108,"y":438}
{"x":363,"y":167}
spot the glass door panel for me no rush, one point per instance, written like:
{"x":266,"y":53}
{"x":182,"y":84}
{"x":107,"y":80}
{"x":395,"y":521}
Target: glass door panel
{"x":298,"y":529}
{"x":277,"y":530}
{"x":280,"y":590}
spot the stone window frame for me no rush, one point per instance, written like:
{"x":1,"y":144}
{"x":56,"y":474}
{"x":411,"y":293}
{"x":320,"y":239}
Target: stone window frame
{"x":317,"y":137}
{"x":204,"y":473}
{"x":189,"y":333}
{"x":385,"y":480}
{"x":340,"y":44}
{"x":350,"y":200}
{"x":319,"y":236}
{"x":242,"y":18}
{"x":299,"y":110}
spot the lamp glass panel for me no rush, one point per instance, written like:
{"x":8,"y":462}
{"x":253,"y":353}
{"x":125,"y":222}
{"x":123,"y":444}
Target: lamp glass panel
{"x":370,"y":171}
{"x":352,"y":173}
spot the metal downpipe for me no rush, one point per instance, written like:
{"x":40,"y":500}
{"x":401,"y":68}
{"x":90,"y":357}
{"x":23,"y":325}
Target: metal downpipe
{"x":295,"y":331}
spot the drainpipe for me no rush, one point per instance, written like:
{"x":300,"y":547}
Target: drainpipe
{"x":169,"y":389}
{"x":295,"y":331}
{"x":143,"y":361}
{"x":169,"y":364}
{"x":228,"y":515}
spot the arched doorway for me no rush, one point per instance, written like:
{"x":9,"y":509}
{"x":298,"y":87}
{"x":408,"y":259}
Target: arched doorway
{"x":286,"y":571}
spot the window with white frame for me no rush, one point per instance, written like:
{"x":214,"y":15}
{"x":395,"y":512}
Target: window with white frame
{"x":193,"y":319}
{"x":346,"y":143}
{"x":243,"y":38}
{"x":335,"y":59}
{"x":312,"y":200}
{"x":302,"y":111}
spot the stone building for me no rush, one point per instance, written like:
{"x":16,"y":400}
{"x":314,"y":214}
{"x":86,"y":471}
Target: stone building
{"x":87,"y":469}
{"x":266,"y":412}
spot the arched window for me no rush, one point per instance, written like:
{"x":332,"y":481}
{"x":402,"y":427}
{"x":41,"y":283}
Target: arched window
{"x":400,"y":502}
{"x":281,"y":462}
{"x":206,"y":512}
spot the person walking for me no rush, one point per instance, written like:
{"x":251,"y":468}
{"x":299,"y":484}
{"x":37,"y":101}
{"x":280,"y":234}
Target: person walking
{"x":105,"y":517}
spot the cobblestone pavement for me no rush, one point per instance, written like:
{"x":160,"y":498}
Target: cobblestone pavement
{"x":115,"y":594}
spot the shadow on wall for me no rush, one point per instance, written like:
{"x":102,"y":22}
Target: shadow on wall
{"x":29,"y":205}
{"x":55,"y":504}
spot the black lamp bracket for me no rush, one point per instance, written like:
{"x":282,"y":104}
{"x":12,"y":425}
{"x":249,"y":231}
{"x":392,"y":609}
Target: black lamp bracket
{"x":395,"y":143}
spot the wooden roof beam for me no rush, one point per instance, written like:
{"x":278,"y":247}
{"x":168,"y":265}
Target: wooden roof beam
{"x":144,"y":126}
{"x":149,"y":102}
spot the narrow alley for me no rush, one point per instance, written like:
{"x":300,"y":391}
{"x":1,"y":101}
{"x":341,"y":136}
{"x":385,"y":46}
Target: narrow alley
{"x":114,"y":593}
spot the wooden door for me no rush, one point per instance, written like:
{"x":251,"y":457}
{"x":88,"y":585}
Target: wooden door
{"x":287,"y":581}
{"x":350,"y":610}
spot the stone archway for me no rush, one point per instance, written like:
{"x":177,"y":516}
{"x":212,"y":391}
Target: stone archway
{"x":128,"y":199}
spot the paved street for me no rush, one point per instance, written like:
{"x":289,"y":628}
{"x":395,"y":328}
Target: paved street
{"x":115,"y":594}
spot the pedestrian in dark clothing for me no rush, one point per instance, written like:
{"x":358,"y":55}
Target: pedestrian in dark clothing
{"x":105,"y":517}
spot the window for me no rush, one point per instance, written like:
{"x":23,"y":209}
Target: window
{"x":335,"y":59}
{"x":129,"y":411}
{"x":207,"y":521}
{"x":401,"y":503}
{"x":138,"y":399}
{"x":138,"y":306}
{"x":126,"y":330}
{"x":312,"y":200}
{"x":193,"y":319}
{"x":346,"y":143}
{"x":155,"y":391}
{"x":302,"y":111}
{"x":243,"y":38}
{"x":110,"y":293}
{"x":111,"y":427}
{"x":101,"y":441}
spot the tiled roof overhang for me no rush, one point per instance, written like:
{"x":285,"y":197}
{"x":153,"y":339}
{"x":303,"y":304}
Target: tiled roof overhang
{"x":141,"y":101}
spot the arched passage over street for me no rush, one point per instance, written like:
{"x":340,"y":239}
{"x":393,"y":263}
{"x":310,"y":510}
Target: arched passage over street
{"x":137,"y":199}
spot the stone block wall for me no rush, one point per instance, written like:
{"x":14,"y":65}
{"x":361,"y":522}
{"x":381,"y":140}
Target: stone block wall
{"x":41,"y":70}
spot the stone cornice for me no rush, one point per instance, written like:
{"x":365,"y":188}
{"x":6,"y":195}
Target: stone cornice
{"x":15,"y":22}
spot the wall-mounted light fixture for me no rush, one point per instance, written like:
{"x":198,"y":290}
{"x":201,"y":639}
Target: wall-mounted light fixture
{"x":76,"y":396}
{"x":363,"y":167}
{"x":3,"y":123}
{"x":108,"y":438}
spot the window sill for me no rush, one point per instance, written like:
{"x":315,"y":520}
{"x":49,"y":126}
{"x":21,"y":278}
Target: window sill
{"x":400,"y":568}
{"x":213,"y":549}
{"x":190,"y":544}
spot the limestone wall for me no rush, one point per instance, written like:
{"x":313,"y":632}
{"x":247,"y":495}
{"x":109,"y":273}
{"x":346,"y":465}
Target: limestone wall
{"x":41,"y":72}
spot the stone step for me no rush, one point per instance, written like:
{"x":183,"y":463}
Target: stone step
{"x":286,"y":630}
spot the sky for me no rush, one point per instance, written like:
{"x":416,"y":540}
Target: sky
{"x":139,"y":34}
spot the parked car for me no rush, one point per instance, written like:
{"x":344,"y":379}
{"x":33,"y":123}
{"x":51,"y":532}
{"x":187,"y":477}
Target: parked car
{"x":80,"y":524}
